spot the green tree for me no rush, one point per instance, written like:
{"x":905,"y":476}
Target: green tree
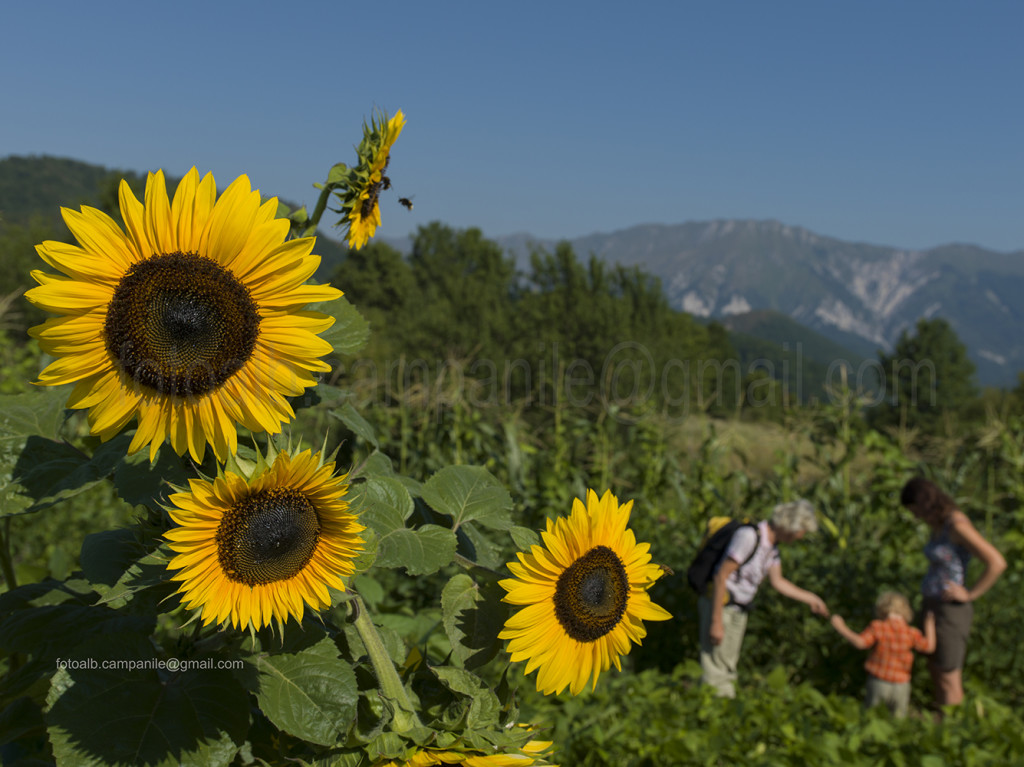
{"x":380,"y":282}
{"x":466,"y":289}
{"x":572,"y":305}
{"x":929,"y":380}
{"x":605,"y":331}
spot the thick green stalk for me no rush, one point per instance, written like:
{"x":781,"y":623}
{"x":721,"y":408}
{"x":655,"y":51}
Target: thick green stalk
{"x":390,"y":684}
{"x":321,"y":205}
{"x":6,"y":563}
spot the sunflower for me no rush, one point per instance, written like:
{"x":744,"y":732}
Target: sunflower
{"x":584,"y":596}
{"x":249,"y":550}
{"x":189,"y":319}
{"x":532,"y":755}
{"x":362,"y":208}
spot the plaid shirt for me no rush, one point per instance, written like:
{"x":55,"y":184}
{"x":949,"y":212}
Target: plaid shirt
{"x":894,"y":642}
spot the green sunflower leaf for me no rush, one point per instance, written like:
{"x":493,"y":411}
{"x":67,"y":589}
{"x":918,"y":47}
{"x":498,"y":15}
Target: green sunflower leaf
{"x":104,"y":717}
{"x":58,"y":630}
{"x":49,"y":471}
{"x":377,"y":464}
{"x":483,"y":711}
{"x":311,"y":694}
{"x":350,"y":330}
{"x":351,"y":417}
{"x":42,"y":593}
{"x":144,"y":573}
{"x":364,"y":559}
{"x":21,"y":718}
{"x":473,"y":615}
{"x":382,"y":503}
{"x":469,"y":493}
{"x":370,"y":589}
{"x":37,"y":412}
{"x":389,"y":745}
{"x":106,"y":555}
{"x":338,"y":174}
{"x":347,"y":759}
{"x":475,"y":544}
{"x":421,"y":551}
{"x":139,"y":482}
{"x":524,"y":538}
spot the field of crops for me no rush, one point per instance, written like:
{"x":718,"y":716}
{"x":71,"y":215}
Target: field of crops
{"x":801,"y":685}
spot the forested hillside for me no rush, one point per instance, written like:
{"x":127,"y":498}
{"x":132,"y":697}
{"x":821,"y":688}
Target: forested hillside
{"x":608,"y":333}
{"x":858,"y":294}
{"x":36,"y":187}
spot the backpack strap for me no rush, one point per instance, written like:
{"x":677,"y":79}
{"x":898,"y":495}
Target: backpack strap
{"x":757,"y":543}
{"x":753,"y":551}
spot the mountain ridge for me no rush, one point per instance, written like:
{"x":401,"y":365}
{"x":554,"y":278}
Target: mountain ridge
{"x":719,"y":268}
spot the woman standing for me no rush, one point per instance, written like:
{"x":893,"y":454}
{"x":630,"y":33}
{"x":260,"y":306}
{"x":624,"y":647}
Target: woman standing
{"x":952,"y":543}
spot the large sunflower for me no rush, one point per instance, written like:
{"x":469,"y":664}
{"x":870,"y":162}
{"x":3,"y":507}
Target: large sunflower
{"x":532,"y":755}
{"x":190,"y":319}
{"x":362,"y":207}
{"x":584,"y":596}
{"x":252,"y":550}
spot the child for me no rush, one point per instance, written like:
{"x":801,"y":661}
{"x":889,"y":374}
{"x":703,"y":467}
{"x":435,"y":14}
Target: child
{"x":892,"y":659}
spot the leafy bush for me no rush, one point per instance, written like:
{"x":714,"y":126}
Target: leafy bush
{"x":649,"y":718}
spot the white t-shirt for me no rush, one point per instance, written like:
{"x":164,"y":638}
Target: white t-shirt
{"x":743,"y":583}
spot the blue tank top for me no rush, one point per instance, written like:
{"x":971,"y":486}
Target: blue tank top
{"x":947,"y":561}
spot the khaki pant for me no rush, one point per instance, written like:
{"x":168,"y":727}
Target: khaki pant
{"x":895,"y":695}
{"x":719,"y":661}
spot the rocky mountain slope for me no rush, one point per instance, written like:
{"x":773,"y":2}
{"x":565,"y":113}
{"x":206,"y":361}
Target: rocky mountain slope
{"x":861,"y":296}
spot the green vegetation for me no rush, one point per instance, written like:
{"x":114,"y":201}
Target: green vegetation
{"x":780,"y":329}
{"x":583,"y":331}
{"x":38,"y":186}
{"x":648,"y":719}
{"x":810,"y":361}
{"x":873,"y":290}
{"x":553,"y":381}
{"x":801,"y":684}
{"x":928,"y":377}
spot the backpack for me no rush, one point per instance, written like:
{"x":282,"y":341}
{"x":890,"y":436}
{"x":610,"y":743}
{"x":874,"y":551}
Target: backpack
{"x":717,"y":535}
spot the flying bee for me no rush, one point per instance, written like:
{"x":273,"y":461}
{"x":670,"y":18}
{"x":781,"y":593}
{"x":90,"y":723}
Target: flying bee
{"x":385,"y":182}
{"x":405,"y":202}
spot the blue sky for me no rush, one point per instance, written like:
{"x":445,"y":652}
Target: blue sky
{"x":897,"y":123}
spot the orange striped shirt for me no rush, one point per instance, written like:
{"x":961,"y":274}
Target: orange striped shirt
{"x":894,"y":642}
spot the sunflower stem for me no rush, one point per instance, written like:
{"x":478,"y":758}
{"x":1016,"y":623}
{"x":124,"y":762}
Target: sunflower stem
{"x":387,"y":676}
{"x":321,"y":206}
{"x":6,"y":563}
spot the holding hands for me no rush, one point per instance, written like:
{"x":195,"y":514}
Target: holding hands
{"x":818,"y":606}
{"x":847,"y":633}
